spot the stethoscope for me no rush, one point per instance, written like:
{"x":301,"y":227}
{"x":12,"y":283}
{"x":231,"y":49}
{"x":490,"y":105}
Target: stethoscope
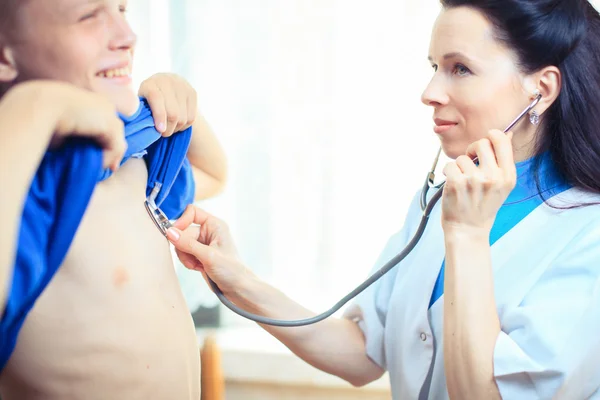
{"x":163,"y":223}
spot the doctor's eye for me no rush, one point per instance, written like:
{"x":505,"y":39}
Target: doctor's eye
{"x":461,"y":70}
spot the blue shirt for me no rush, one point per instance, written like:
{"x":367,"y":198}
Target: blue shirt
{"x":523,"y":199}
{"x":59,"y":195}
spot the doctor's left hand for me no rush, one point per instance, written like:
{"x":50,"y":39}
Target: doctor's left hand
{"x":173,"y":102}
{"x":473,"y":194}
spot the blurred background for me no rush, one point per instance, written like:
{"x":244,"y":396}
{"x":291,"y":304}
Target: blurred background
{"x":317,"y":104}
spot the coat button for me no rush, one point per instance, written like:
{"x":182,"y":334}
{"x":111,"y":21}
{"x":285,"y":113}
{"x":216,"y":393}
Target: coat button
{"x":423,"y":336}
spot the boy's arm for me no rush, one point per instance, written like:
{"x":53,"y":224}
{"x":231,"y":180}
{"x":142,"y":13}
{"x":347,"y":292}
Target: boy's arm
{"x":23,"y":142}
{"x":208,"y":160}
{"x":173,"y":102}
{"x":34,"y":116}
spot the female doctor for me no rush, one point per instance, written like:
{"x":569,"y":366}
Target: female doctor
{"x":501,"y":297}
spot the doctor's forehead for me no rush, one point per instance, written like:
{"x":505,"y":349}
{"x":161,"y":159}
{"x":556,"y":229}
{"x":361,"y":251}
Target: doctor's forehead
{"x":461,"y":30}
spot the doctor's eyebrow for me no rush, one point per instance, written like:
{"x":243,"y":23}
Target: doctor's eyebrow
{"x":454,"y":54}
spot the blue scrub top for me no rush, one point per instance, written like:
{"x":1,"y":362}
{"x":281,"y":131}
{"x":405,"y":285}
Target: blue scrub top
{"x":524,"y":198}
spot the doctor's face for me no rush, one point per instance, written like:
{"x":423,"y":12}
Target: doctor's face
{"x":87,"y":43}
{"x":476,"y":84}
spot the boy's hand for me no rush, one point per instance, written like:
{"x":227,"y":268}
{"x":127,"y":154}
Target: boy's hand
{"x":173,"y":102}
{"x":77,"y":112}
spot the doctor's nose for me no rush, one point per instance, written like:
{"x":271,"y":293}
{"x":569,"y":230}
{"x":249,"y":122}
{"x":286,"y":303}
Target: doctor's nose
{"x":434,"y":94}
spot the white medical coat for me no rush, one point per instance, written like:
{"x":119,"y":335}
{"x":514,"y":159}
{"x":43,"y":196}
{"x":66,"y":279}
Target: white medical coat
{"x":547,"y":291}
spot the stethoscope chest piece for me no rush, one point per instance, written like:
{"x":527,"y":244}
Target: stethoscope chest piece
{"x":158,"y":217}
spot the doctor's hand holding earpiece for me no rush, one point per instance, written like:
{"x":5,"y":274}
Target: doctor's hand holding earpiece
{"x":477,"y":184}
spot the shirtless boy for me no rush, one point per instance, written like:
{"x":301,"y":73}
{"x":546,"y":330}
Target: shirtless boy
{"x":112,"y":324}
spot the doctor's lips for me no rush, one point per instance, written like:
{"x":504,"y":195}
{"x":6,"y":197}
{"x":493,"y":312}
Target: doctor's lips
{"x":442,"y":125}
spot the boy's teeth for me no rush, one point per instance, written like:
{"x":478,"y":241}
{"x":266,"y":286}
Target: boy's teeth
{"x":114,"y":73}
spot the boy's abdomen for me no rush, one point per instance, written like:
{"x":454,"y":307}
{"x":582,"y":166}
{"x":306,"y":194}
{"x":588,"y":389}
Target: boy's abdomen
{"x":113,"y":323}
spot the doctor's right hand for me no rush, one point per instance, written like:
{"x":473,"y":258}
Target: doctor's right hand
{"x":203,"y":243}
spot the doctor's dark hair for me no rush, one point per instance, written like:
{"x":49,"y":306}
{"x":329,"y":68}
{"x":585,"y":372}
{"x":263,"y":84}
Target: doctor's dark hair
{"x":565,"y":34}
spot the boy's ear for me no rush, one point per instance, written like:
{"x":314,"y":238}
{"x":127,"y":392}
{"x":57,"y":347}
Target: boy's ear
{"x":8,"y":66}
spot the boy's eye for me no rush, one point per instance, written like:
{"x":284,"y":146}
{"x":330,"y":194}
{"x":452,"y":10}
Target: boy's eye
{"x":88,"y":16}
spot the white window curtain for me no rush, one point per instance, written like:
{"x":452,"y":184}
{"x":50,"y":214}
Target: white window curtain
{"x":317,"y":103}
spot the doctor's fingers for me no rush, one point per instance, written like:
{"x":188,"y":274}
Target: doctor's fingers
{"x":192,"y":263}
{"x":473,"y":179}
{"x":195,"y":215}
{"x":189,"y":261}
{"x":503,"y":149}
{"x":455,"y":178}
{"x":186,"y":242}
{"x":486,"y":157}
{"x":467,"y":166}
{"x":222,"y":266}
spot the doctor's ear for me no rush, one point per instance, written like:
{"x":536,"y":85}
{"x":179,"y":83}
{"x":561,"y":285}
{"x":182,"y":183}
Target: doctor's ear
{"x":546,"y":82}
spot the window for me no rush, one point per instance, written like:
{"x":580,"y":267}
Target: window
{"x":317,"y":103}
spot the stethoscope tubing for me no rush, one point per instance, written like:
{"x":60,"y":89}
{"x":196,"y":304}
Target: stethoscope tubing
{"x":426,"y":207}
